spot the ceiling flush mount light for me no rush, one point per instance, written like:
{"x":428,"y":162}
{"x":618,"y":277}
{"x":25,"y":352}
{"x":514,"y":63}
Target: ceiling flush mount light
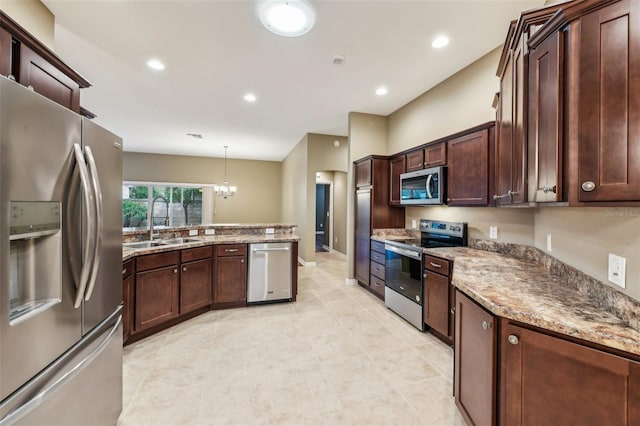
{"x":250,"y":97}
{"x":336,"y":143}
{"x":155,"y":64}
{"x":440,"y":42}
{"x":381,"y":91}
{"x":287,"y":18}
{"x":225,"y":190}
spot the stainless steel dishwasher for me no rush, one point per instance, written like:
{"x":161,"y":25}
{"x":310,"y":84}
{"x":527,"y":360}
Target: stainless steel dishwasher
{"x":269,"y":272}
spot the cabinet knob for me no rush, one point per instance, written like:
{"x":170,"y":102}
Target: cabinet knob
{"x":448,"y":200}
{"x":513,"y":339}
{"x":588,"y":186}
{"x":175,"y":270}
{"x":424,"y":275}
{"x":546,"y":189}
{"x":241,"y":260}
{"x":124,"y":271}
{"x":486,"y":325}
{"x":184,"y":269}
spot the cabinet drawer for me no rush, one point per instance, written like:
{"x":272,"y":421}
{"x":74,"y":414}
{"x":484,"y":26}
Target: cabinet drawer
{"x":153,"y":261}
{"x":377,"y":270}
{"x":377,"y":257}
{"x":377,"y":246}
{"x":231,"y":250}
{"x":189,"y":255}
{"x":436,"y":264}
{"x":127,"y":268}
{"x":376,"y":285}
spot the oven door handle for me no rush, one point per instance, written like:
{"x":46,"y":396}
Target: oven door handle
{"x":403,"y":252}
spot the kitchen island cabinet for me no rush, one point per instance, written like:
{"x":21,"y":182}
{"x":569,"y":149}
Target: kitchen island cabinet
{"x":230,"y":286}
{"x":156,"y":290}
{"x":195,"y":278}
{"x":127,"y":297}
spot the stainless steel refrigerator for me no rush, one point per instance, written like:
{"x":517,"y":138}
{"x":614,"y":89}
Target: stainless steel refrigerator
{"x":60,"y":262}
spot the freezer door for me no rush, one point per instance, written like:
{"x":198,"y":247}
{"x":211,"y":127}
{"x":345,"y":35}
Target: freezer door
{"x":104,"y":292}
{"x":38,"y":321}
{"x":269,"y":272}
{"x":84,"y":387}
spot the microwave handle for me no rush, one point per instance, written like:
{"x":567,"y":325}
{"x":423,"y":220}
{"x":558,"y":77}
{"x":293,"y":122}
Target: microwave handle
{"x":429,"y":194}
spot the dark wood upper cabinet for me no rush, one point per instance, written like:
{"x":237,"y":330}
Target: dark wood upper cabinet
{"x":435,"y":155}
{"x":548,"y":380}
{"x":608,"y":139}
{"x":415,"y":160}
{"x":469,"y":171}
{"x":397,"y":166}
{"x":363,"y":173}
{"x":5,"y":52}
{"x":545,"y":124}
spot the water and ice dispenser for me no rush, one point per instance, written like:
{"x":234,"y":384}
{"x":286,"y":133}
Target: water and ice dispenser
{"x":35,"y":258}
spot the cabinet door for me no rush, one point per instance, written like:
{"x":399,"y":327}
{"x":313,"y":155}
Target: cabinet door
{"x":231,"y":280}
{"x":363,"y":213}
{"x":127,"y":308}
{"x":475,"y":362}
{"x":436,"y":299}
{"x":545,"y":120}
{"x":48,"y":80}
{"x":415,"y":160}
{"x":609,"y":104}
{"x":362,"y":260}
{"x":504,"y":139}
{"x":157,"y":297}
{"x":5,"y":52}
{"x":468,"y":171}
{"x":547,"y":380}
{"x":397,"y":166}
{"x":195,"y":285}
{"x":363,"y":173}
{"x":435,"y":155}
{"x":519,"y":170}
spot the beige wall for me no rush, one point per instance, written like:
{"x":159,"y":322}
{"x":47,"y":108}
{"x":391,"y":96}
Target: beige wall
{"x":259,"y":182}
{"x":33,"y":16}
{"x":294,"y":191}
{"x":340,"y":192}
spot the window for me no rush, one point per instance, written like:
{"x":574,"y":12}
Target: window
{"x":173,"y":205}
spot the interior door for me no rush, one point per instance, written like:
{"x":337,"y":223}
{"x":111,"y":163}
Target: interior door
{"x":38,"y":321}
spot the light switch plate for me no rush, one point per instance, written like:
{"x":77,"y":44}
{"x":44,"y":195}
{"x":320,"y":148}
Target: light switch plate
{"x":617,"y":270}
{"x":493,"y":232}
{"x":209,"y":232}
{"x":413,"y":224}
{"x":193,"y":232}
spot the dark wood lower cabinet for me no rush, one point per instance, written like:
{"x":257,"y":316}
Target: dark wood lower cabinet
{"x":436,"y":299}
{"x":548,"y":380}
{"x":157,"y":297}
{"x":475,"y":362}
{"x":230,"y":287}
{"x":195,"y":285}
{"x":127,"y":297}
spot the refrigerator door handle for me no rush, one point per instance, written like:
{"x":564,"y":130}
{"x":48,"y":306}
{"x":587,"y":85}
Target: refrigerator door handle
{"x":89,"y":233}
{"x":37,"y":400}
{"x":99,"y":220}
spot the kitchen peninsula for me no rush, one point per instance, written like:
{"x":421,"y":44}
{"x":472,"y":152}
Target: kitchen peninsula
{"x":187,"y":271}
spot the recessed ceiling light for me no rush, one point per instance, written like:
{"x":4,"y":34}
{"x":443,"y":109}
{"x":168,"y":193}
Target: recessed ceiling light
{"x":250,"y":97}
{"x":155,"y":64}
{"x":381,"y":91}
{"x":288,"y":18}
{"x":440,"y":42}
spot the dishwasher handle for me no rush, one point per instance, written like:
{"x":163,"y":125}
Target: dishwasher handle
{"x":256,"y":250}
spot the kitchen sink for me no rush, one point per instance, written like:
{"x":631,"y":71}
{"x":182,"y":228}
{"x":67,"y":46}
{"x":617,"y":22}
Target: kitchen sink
{"x":144,"y":244}
{"x":181,"y":240}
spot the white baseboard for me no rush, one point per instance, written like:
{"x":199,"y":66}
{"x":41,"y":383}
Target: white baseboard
{"x":304,"y":263}
{"x":351,"y":281}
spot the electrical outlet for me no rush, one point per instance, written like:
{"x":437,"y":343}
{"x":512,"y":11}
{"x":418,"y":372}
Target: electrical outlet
{"x":269,"y":231}
{"x":549,"y":248}
{"x":493,"y":232}
{"x":209,"y":232}
{"x":617,"y":270}
{"x":413,"y":224}
{"x":193,"y":232}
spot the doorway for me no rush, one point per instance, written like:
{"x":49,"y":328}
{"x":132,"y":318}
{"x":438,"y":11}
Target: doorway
{"x":323,"y":217}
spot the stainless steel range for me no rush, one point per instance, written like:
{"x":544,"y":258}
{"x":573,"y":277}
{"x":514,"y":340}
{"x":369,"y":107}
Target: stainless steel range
{"x":403,"y":266}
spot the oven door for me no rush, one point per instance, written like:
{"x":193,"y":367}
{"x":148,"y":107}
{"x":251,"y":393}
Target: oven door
{"x":422,"y":187}
{"x":403,"y":272}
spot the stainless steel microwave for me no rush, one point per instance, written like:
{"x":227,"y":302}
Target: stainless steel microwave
{"x":423,"y":187}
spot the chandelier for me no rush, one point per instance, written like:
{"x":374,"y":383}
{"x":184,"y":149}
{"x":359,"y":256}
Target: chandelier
{"x":225,"y":190}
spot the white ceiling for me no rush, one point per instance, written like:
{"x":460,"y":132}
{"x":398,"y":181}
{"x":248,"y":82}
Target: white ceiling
{"x":216,"y":51}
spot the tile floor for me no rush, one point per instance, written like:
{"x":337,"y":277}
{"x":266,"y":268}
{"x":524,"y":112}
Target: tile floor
{"x":337,"y":356}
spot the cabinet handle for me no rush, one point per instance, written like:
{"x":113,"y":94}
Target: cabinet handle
{"x":175,"y":270}
{"x":499,"y":197}
{"x":231,"y":250}
{"x":184,"y":269}
{"x":588,"y":186}
{"x":124,"y":271}
{"x":453,"y":310}
{"x":486,"y":325}
{"x":435,"y":265}
{"x":513,"y":339}
{"x":546,"y":189}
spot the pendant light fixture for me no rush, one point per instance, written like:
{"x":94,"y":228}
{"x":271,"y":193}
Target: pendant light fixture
{"x":225,"y":190}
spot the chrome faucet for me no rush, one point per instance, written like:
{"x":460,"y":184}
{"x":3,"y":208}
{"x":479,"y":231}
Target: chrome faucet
{"x":166,"y":219}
